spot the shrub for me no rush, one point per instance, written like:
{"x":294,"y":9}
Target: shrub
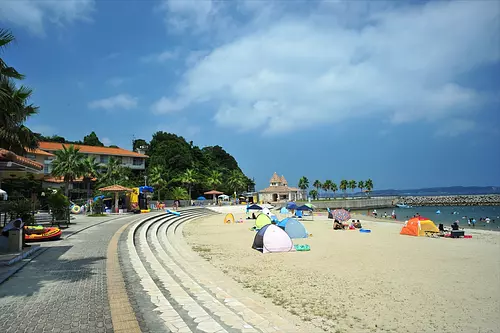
{"x":59,"y":205}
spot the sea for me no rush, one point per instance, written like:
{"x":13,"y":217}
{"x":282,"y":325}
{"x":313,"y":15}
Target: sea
{"x":449,"y":214}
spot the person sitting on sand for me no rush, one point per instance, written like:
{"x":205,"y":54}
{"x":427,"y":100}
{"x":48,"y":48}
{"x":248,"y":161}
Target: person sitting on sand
{"x":337,"y":225}
{"x":357,"y":224}
{"x":454,"y":226}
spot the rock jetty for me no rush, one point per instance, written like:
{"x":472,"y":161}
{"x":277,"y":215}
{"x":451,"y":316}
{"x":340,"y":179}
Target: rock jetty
{"x":453,"y":200}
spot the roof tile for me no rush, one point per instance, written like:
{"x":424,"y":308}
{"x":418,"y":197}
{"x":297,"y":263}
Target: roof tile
{"x":52,"y":146}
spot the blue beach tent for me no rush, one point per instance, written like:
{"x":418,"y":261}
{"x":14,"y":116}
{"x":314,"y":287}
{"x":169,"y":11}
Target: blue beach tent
{"x":295,"y":229}
{"x":283,"y":210}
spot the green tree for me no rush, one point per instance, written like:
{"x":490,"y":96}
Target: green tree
{"x":361,"y":185}
{"x":139,"y":143}
{"x":178,"y":193}
{"x":92,"y":140}
{"x":353,"y":185}
{"x":114,"y":173}
{"x":90,"y":170}
{"x":313,"y":194}
{"x":328,"y":185}
{"x":343,"y":185}
{"x":237,"y":181}
{"x":317,"y":185}
{"x":334,"y":189}
{"x":157,"y":177}
{"x":188,"y":178}
{"x":14,"y":106}
{"x":304,"y":184}
{"x":369,"y":185}
{"x":325,"y":187}
{"x":214,"y":179}
{"x":68,"y":164}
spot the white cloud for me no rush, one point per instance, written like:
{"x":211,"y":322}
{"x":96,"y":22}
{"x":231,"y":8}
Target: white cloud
{"x":301,"y":71}
{"x":106,"y":141}
{"x":164,"y":105}
{"x":160,"y":57}
{"x":455,"y":127}
{"x":34,"y":14}
{"x":189,"y":14}
{"x":122,"y":101}
{"x":116,"y":81}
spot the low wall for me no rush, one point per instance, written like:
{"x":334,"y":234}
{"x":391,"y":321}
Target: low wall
{"x":368,"y":203}
{"x":453,"y":200}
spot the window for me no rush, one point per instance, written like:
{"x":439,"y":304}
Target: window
{"x":46,"y":169}
{"x":104,"y":159}
{"x":31,"y":156}
{"x":138,"y":161}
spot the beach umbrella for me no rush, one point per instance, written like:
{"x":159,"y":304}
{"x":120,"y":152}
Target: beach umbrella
{"x":214,"y":193}
{"x":291,"y":205}
{"x":116,"y":189}
{"x":201,"y":198}
{"x":341,"y":215}
{"x":310,"y":205}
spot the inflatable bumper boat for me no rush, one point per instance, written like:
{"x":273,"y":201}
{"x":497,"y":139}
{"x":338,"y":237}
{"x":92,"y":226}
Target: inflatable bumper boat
{"x":39,"y":233}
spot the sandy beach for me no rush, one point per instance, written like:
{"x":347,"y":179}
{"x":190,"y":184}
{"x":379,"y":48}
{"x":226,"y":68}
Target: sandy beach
{"x":355,"y":282}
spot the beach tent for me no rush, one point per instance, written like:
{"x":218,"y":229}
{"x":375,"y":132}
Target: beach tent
{"x":201,"y":198}
{"x":283,"y":210}
{"x":229,"y":218}
{"x":304,"y":208}
{"x":262,"y":220}
{"x":291,"y":205}
{"x":266,"y":211}
{"x":272,"y":239}
{"x":295,"y":229}
{"x":254,"y":207}
{"x":417,"y":226}
{"x":283,"y":222}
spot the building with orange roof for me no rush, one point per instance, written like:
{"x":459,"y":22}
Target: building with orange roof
{"x":45,"y":155}
{"x":279,"y":190}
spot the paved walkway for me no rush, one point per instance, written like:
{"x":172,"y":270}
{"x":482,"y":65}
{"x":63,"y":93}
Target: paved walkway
{"x":133,"y":274}
{"x":65,"y":288}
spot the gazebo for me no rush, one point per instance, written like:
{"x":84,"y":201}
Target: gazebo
{"x":214,"y":193}
{"x":115,"y":189}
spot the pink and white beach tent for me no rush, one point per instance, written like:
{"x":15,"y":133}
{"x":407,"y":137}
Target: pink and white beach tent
{"x":272,"y":238}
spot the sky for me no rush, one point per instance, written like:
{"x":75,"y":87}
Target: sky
{"x":404,"y":93}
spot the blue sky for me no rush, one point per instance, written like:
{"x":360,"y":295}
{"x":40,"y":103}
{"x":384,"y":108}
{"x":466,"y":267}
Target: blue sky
{"x":403,"y":93}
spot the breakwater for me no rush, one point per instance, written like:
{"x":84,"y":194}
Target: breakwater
{"x":452,"y":200}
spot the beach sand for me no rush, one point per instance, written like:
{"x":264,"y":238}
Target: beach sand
{"x":356,"y":282}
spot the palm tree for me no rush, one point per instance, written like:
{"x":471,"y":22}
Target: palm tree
{"x":14,"y":111}
{"x":236,"y":180}
{"x":343,"y":185}
{"x":304,"y":184}
{"x":178,"y":193}
{"x":353,"y":185}
{"x":90,"y":170}
{"x":369,"y":185}
{"x":328,"y":185}
{"x":334,"y":189}
{"x":188,"y":178}
{"x":114,"y":172}
{"x":14,"y":107}
{"x":325,"y":187}
{"x":317,"y":184}
{"x":6,"y":37}
{"x":361,"y":185}
{"x":313,"y":194}
{"x":157,"y":178}
{"x":214,"y":178}
{"x":68,"y":164}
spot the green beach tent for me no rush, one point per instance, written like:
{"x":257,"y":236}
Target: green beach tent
{"x":262,"y":220}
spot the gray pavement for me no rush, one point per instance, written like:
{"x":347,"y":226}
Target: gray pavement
{"x":63,"y":289}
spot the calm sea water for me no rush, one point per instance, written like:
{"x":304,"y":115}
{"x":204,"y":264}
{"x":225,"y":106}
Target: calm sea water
{"x":446,"y":217}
